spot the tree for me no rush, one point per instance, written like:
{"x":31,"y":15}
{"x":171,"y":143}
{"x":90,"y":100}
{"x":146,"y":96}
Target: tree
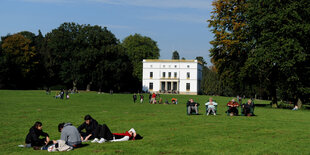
{"x":175,"y":55}
{"x":280,"y":46}
{"x":138,"y":48}
{"x":19,"y":61}
{"x":201,"y":60}
{"x":230,"y":44}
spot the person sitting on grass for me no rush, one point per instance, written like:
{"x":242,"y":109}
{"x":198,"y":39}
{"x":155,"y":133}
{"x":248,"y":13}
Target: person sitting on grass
{"x":90,"y":126}
{"x":211,"y":106}
{"x":233,"y":111}
{"x":247,"y":108}
{"x":104,"y":134}
{"x":33,"y":137}
{"x":191,"y":105}
{"x":69,"y":134}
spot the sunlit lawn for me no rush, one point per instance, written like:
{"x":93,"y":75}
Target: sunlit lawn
{"x":166,"y":128}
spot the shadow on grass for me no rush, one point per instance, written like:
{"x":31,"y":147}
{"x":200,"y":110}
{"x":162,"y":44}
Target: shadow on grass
{"x":81,"y":146}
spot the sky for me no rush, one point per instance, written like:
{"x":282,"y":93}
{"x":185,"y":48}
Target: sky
{"x":179,"y":25}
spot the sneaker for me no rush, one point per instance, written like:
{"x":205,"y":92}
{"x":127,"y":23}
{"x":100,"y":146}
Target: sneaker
{"x":21,"y":145}
{"x":95,"y":140}
{"x":102,"y":140}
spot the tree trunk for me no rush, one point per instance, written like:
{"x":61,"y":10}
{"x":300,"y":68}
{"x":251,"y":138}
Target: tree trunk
{"x":74,"y":86}
{"x":88,"y":86}
{"x":274,"y":99}
{"x":299,"y":103}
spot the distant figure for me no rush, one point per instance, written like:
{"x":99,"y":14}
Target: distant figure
{"x":150,"y":98}
{"x":295,"y":106}
{"x":67,"y":94}
{"x":33,"y":137}
{"x":62,"y":93}
{"x":141,"y":98}
{"x":191,"y":105}
{"x":134,"y":97}
{"x":70,"y":134}
{"x":48,"y":91}
{"x":166,"y":102}
{"x":153,"y":98}
{"x":89,"y":125}
{"x":211,"y":106}
{"x":174,"y":101}
{"x":247,"y":108}
{"x":233,"y":111}
{"x":111,"y":91}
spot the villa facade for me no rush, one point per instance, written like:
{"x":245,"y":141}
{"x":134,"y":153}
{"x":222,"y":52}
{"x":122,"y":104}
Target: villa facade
{"x":172,"y":76}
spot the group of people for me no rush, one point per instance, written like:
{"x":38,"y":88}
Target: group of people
{"x":62,"y":94}
{"x":211,"y":107}
{"x":134,"y":97}
{"x":72,"y":137}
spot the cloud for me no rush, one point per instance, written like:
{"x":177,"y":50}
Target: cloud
{"x":190,"y":18}
{"x":193,"y":4}
{"x":50,"y":1}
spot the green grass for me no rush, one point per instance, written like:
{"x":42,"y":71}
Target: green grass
{"x":166,"y":128}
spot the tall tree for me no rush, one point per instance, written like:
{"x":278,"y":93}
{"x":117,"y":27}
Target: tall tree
{"x":138,"y":48}
{"x":19,"y":55}
{"x":175,"y":55}
{"x":280,"y":46}
{"x":230,"y":44}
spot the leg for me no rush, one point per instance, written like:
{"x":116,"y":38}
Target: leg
{"x":196,"y":109}
{"x":188,"y":110}
{"x":106,"y":133}
{"x":213,"y":110}
{"x":208,"y":111}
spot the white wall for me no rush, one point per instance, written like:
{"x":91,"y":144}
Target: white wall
{"x":158,"y":67}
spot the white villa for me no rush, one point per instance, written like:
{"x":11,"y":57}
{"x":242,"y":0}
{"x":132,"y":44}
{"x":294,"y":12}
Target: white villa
{"x":172,"y":76}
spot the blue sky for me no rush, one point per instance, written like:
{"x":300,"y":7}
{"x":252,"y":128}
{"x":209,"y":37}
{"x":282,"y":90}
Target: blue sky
{"x":174,"y":24}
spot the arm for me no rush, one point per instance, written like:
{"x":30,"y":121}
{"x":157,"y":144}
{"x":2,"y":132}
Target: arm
{"x":125,"y":138}
{"x":63,"y":135}
{"x":81,"y":127}
{"x":86,"y":138}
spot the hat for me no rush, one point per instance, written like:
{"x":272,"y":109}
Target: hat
{"x":132,"y":130}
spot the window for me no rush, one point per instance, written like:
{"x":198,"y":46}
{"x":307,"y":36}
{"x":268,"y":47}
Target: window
{"x":151,"y":74}
{"x":175,"y":66}
{"x":188,"y":75}
{"x":175,"y":74}
{"x":188,"y":86}
{"x":151,"y":86}
{"x":151,"y":66}
{"x":164,"y":74}
{"x":164,"y":66}
{"x":169,"y":74}
{"x":187,"y":66}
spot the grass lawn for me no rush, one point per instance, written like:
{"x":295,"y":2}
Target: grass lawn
{"x":166,"y":128}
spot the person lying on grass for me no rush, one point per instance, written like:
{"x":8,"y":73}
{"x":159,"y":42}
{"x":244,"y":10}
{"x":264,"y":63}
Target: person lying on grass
{"x":103,"y":134}
{"x":90,"y":126}
{"x":33,"y":137}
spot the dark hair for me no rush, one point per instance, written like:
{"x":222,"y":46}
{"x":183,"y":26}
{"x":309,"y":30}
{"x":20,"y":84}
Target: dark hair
{"x":60,"y":126}
{"x":36,"y":124}
{"x":88,"y":117}
{"x":138,"y":137}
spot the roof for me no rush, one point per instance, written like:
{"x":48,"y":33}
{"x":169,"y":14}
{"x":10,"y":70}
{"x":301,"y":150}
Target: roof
{"x":168,"y":60}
